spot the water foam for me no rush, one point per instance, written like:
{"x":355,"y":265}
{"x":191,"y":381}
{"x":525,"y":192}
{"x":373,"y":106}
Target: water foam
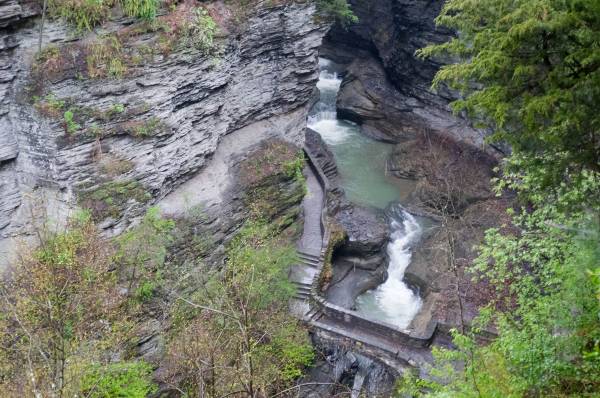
{"x":393,"y":301}
{"x":394,"y":297}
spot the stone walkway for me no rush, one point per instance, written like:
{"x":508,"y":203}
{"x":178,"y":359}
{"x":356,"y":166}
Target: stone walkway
{"x":312,"y":236}
{"x":309,"y":247}
{"x":304,"y":273}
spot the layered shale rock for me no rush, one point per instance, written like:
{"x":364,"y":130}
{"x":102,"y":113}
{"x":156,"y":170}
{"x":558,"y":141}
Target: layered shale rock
{"x":387,"y":88}
{"x":133,"y":139}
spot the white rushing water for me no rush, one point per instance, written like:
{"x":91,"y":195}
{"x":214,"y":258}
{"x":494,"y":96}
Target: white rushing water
{"x":361,"y":164}
{"x":393,"y":301}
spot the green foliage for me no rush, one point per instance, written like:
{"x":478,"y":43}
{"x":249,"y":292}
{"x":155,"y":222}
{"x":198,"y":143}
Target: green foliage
{"x":338,"y":10}
{"x":239,"y":324}
{"x":86,"y":14}
{"x":49,"y":106}
{"x":71,"y":127}
{"x":254,"y":251}
{"x":547,"y":309}
{"x":295,"y":167}
{"x":82,"y":14}
{"x":109,"y":199}
{"x":106,"y":58}
{"x":198,"y":32}
{"x":57,"y":296}
{"x":146,"y":128}
{"x":530,"y":70}
{"x":145,"y":9}
{"x":141,"y":254}
{"x":117,"y":108}
{"x":121,"y":379}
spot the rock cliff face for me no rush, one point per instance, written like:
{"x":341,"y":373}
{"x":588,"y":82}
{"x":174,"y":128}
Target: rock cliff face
{"x":175,"y":118}
{"x":387,"y":88}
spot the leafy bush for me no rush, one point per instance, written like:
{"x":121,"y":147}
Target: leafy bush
{"x":141,"y":253}
{"x":50,"y":105}
{"x":110,"y":198}
{"x":56,"y":297}
{"x":122,"y":379}
{"x":86,"y":14}
{"x":83,"y":14}
{"x":337,"y":9}
{"x":71,"y":126}
{"x":235,"y":335}
{"x":106,"y":58}
{"x":145,"y":9}
{"x":198,"y":32}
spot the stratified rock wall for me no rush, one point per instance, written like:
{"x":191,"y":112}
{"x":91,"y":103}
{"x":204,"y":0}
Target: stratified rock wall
{"x":387,"y":89}
{"x":259,"y":85}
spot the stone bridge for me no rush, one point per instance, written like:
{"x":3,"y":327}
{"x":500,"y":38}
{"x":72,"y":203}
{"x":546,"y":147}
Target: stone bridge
{"x":389,"y":343}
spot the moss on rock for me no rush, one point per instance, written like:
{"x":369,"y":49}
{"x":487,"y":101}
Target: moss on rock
{"x":109,"y":199}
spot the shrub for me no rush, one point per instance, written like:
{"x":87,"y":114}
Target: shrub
{"x":116,"y":109}
{"x":141,"y":253}
{"x":245,"y":306}
{"x":71,"y":126}
{"x":83,"y":14}
{"x":338,"y":10}
{"x":57,"y":296}
{"x":127,"y":379}
{"x":50,"y":106}
{"x":106,"y":58}
{"x":295,"y":167}
{"x":198,"y":33}
{"x":110,"y":198}
{"x":145,"y":9}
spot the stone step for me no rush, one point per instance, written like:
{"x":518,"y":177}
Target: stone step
{"x":302,"y":296}
{"x":329,"y":169}
{"x":314,"y":259}
{"x":302,"y":284}
{"x":314,"y":314}
{"x":309,"y":256}
{"x":311,"y":263}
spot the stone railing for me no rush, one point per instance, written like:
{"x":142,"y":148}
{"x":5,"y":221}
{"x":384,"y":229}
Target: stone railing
{"x":376,"y":328}
{"x":324,"y":182}
{"x":371,"y":329}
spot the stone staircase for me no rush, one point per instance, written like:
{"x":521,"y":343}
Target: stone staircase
{"x":323,"y":317}
{"x":309,"y":259}
{"x":304,"y":286}
{"x":329,"y":169}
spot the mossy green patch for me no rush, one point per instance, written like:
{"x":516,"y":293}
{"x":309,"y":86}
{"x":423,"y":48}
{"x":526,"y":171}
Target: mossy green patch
{"x":337,"y":236}
{"x":109,"y":199}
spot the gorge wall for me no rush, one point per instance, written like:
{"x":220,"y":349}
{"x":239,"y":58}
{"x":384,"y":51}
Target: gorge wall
{"x":387,"y":88}
{"x":142,"y":134}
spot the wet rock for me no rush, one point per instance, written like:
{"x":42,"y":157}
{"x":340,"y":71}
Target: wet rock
{"x":347,"y":372}
{"x":367,"y":231}
{"x":387,"y":89}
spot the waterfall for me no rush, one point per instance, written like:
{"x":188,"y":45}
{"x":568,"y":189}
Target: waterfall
{"x":361,"y":163}
{"x":393,"y":301}
{"x":324,"y":118}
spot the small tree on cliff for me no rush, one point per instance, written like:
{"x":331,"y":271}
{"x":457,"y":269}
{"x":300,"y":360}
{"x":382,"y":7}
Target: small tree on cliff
{"x":239,"y":339}
{"x":54,"y":299}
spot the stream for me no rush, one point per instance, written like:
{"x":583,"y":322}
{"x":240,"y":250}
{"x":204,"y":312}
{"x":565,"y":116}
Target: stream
{"x":361,"y":163}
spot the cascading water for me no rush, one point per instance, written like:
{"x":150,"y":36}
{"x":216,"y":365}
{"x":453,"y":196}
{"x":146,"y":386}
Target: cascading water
{"x":361,"y":164}
{"x":393,"y":301}
{"x":361,"y":161}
